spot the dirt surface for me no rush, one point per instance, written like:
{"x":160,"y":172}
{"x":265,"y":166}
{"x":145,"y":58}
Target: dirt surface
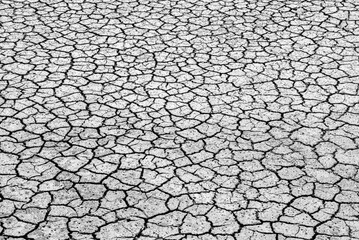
{"x":190,"y":119}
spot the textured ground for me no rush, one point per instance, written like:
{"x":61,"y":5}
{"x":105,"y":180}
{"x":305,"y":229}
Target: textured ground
{"x":190,"y":119}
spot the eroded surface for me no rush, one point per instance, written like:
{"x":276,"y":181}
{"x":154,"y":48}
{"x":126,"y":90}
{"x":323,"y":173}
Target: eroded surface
{"x":188,"y":119}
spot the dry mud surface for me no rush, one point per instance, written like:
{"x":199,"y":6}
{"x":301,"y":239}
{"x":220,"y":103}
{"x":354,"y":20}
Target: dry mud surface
{"x":190,"y":119}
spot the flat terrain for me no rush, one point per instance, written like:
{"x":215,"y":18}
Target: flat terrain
{"x":190,"y":119}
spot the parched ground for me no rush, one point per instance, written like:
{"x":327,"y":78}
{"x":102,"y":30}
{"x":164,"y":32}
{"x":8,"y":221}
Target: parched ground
{"x":189,"y":119}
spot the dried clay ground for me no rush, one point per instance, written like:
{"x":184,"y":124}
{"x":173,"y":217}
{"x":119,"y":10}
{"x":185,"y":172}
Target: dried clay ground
{"x":189,"y":119}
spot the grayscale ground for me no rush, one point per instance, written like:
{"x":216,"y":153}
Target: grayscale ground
{"x":189,"y":119}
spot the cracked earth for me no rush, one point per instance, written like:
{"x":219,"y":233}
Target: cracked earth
{"x":189,"y":119}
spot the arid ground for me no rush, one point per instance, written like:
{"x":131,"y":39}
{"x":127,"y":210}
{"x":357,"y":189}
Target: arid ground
{"x":189,"y":119}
